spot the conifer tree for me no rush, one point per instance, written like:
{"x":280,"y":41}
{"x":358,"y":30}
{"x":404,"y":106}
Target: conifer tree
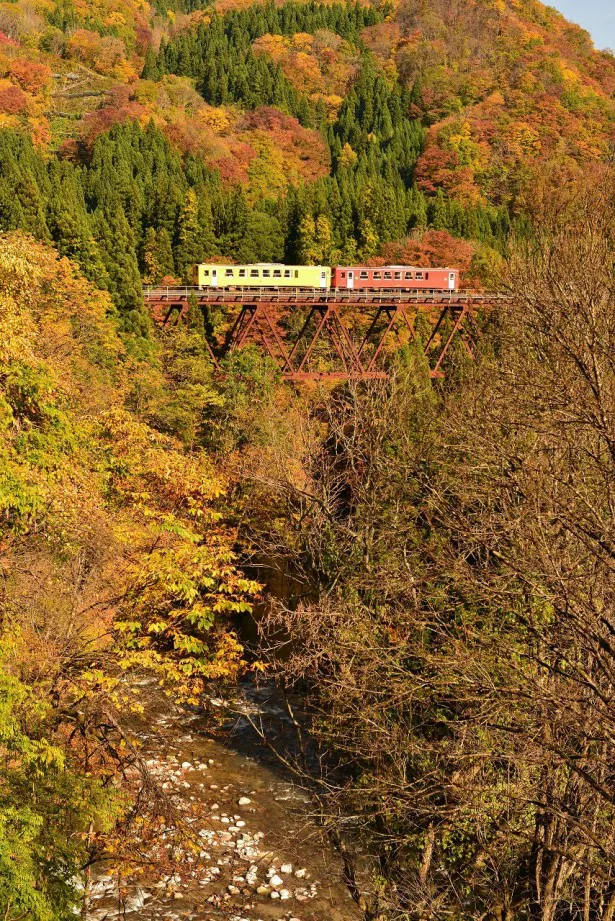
{"x":151,"y":70}
{"x":119,"y":255}
{"x":189,"y":248}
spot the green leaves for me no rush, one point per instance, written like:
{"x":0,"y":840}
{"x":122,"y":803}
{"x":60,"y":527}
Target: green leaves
{"x":44,"y":805}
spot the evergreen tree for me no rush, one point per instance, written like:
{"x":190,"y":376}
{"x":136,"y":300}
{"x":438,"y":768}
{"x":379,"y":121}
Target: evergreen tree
{"x":151,"y":70}
{"x":157,"y":258}
{"x":119,"y":254}
{"x":189,"y":248}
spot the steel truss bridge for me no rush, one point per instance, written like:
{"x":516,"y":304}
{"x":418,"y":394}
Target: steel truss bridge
{"x":293,"y":325}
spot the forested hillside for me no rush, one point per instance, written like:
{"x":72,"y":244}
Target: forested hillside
{"x":305,"y":132}
{"x":428,"y":561}
{"x":114,"y":560}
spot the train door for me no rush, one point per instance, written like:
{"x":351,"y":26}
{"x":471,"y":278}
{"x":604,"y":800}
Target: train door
{"x":451,"y":281}
{"x":350,"y":279}
{"x":323,"y":279}
{"x":214,"y":278}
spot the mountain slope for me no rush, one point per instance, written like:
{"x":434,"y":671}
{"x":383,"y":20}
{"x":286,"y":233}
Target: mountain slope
{"x":299,"y":131}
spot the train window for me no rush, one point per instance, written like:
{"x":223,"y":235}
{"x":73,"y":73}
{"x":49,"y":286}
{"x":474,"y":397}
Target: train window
{"x":408,"y":275}
{"x":296,"y":273}
{"x":363,"y":275}
{"x":277,"y":273}
{"x":388,"y":275}
{"x":266,"y":273}
{"x":286,"y":273}
{"x":377,"y":275}
{"x":253,"y":273}
{"x":426,"y":276}
{"x":419,"y":275}
{"x":397,"y":274}
{"x":343,"y":274}
{"x":229,"y":273}
{"x":242,"y":273}
{"x":206,"y":273}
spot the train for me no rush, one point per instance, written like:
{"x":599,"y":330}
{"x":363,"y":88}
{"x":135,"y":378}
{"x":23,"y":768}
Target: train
{"x":350,"y":277}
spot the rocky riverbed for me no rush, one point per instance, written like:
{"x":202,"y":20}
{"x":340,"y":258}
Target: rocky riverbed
{"x":257,"y":853}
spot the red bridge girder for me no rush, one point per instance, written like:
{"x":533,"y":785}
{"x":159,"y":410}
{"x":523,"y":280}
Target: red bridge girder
{"x":357,"y":325}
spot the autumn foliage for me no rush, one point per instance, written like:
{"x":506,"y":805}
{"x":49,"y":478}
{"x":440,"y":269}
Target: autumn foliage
{"x":115,"y":562}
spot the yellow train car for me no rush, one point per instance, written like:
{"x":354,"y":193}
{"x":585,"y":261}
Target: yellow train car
{"x":262,"y":275}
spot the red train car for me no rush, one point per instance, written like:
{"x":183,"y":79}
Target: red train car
{"x":404,"y":277}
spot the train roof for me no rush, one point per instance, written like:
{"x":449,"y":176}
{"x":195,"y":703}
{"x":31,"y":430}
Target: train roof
{"x":262,"y":265}
{"x":421,"y":268}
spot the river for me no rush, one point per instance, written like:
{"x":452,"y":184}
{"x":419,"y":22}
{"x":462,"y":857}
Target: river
{"x":259,"y":853}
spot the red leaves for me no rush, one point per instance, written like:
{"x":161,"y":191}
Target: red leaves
{"x":6,"y":40}
{"x":13,"y":101}
{"x":436,"y":168}
{"x":29,"y":75}
{"x":120,"y":107}
{"x":434,"y":249}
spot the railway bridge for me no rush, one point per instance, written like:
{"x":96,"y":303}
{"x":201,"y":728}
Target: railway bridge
{"x":330,"y":334}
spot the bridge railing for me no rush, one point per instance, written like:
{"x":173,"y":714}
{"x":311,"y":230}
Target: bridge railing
{"x":183,"y":292}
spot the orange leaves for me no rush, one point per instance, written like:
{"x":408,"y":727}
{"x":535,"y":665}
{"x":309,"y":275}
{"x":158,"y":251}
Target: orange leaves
{"x":275,"y":46}
{"x":526,"y":82}
{"x":319,"y":65}
{"x":434,"y":248}
{"x":29,"y":75}
{"x":291,"y":151}
{"x":102,"y":53}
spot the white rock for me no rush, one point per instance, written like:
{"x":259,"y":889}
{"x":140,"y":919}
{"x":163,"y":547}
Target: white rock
{"x":284,"y":894}
{"x":275,"y":895}
{"x":276,"y":880}
{"x":286,"y":868}
{"x":300,"y":873}
{"x":244,"y":801}
{"x":186,"y":765}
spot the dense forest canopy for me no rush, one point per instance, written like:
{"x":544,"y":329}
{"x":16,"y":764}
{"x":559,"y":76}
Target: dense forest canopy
{"x":301,"y":131}
{"x":449,"y":544}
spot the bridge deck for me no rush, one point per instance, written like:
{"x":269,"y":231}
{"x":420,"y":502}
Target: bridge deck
{"x":337,"y":296}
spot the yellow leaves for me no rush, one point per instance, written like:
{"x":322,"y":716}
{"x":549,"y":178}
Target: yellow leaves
{"x":496,"y":99}
{"x":570,"y":77}
{"x":218,"y":120}
{"x":302,"y":41}
{"x":274,"y":46}
{"x":115,"y":19}
{"x":348,"y":156}
{"x":523,"y":139}
{"x":125,"y":72}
